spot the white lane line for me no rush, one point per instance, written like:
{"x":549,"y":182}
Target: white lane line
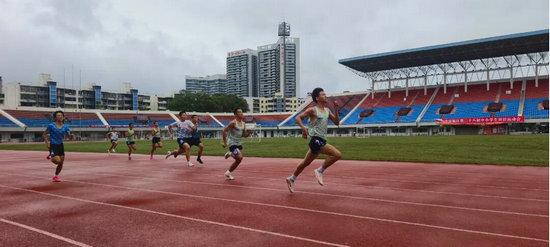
{"x":179,"y":216}
{"x":279,"y":206}
{"x":306,"y":192}
{"x":356,"y":185}
{"x":331,"y":195}
{"x":49,"y":234}
{"x":395,"y":180}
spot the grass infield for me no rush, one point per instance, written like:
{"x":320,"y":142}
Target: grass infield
{"x":529,"y":150}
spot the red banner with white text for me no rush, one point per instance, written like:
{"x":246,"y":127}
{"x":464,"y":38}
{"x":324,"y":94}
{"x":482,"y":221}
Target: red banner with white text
{"x":481,"y":120}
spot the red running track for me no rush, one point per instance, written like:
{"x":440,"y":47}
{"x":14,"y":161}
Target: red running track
{"x":111,"y":201}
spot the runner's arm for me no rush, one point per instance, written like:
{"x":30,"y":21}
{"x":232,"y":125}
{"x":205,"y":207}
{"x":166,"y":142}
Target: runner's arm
{"x":224,"y":133}
{"x":299,"y":121}
{"x":334,"y":117}
{"x":45,"y":135}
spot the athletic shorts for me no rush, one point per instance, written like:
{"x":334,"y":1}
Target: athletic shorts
{"x":234,"y":149}
{"x":57,"y":150}
{"x":114,"y":141}
{"x":182,"y":141}
{"x":156,"y":140}
{"x":130,"y":142}
{"x":316,"y":143}
{"x":193,"y":141}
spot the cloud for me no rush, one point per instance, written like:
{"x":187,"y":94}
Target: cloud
{"x":154,"y":44}
{"x":70,"y":18}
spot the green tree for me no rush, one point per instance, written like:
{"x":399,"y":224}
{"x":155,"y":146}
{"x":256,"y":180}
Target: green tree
{"x":202,"y":102}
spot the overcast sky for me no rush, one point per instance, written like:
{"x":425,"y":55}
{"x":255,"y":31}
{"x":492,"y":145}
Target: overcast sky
{"x":154,"y":44}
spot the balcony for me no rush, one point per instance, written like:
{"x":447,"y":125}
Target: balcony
{"x":27,"y":100}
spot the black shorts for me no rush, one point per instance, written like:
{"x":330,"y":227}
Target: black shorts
{"x":130,"y":142}
{"x":316,"y":143}
{"x":235,"y":147}
{"x":182,"y":141}
{"x":114,"y":141}
{"x":156,"y":140}
{"x":194,"y":141}
{"x":57,"y":150}
{"x":189,"y":140}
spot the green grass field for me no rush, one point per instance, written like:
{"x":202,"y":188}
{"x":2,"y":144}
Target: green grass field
{"x":496,"y":150}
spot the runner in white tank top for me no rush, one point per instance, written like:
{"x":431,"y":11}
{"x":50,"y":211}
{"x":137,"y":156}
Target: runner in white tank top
{"x":113,"y":140}
{"x":318,"y":120}
{"x":233,"y":133}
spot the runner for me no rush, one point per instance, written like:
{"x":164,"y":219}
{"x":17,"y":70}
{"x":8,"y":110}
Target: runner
{"x":232,"y":135}
{"x":184,"y":130}
{"x":130,"y":134}
{"x":318,"y":118}
{"x":113,"y":137}
{"x":156,"y":141}
{"x":196,"y":138}
{"x":53,"y":137}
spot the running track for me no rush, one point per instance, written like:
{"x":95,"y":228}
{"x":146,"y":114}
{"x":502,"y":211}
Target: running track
{"x":110,"y":201}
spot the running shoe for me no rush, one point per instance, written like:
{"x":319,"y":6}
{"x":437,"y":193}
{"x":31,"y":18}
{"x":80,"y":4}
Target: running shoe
{"x":228,"y":175}
{"x":319,"y":176}
{"x":290,"y":184}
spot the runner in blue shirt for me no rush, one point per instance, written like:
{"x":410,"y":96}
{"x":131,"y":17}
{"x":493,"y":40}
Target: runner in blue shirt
{"x":53,"y":137}
{"x":196,"y":138}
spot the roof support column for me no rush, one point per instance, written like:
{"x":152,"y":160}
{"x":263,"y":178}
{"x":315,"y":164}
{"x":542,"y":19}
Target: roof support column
{"x":487,"y":65}
{"x":465,"y":81}
{"x":536,"y":59}
{"x":373,"y":76}
{"x":511,"y":77}
{"x":425,"y":84}
{"x":406,"y":72}
{"x":425,"y":71}
{"x":487,"y":73}
{"x":511,"y":62}
{"x":445,"y":82}
{"x":464,"y":67}
{"x":372,"y":89}
{"x":536,"y":75}
{"x":389,"y":88}
{"x":444,"y":68}
{"x":407,"y":87}
{"x":390,"y":75}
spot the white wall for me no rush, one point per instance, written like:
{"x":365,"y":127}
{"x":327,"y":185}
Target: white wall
{"x":12,"y":95}
{"x":154,"y":103}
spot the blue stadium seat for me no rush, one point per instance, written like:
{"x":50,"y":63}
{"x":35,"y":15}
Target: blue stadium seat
{"x":4,"y":122}
{"x":472,"y":110}
{"x":383,"y":115}
{"x":532,"y":111}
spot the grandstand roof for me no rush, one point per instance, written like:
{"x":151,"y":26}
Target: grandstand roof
{"x":512,"y":44}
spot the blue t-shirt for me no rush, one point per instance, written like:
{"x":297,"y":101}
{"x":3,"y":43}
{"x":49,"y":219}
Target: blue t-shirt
{"x":196,"y":134}
{"x":56,"y":134}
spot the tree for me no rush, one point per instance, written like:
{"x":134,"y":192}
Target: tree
{"x":203,"y":102}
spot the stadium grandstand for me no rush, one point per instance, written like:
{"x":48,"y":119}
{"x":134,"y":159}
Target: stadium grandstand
{"x":26,"y":124}
{"x":494,"y":85}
